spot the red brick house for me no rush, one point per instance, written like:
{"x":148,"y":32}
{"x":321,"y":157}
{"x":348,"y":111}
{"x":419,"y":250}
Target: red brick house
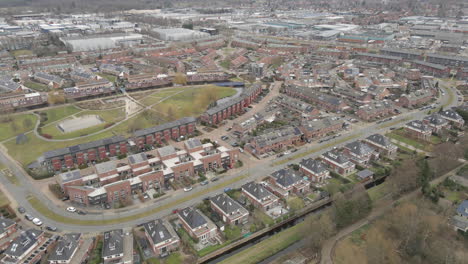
{"x":259,"y":196}
{"x":161,"y":237}
{"x":229,"y":210}
{"x":338,"y":162}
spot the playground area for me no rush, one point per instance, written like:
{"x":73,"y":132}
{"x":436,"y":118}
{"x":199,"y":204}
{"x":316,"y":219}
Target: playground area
{"x":81,"y":122}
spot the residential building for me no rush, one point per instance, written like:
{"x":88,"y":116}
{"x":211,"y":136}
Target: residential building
{"x":89,"y":89}
{"x":432,"y":68}
{"x":229,"y":210}
{"x":316,"y":170}
{"x":197,"y":225}
{"x":460,"y":220}
{"x":376,"y":110}
{"x":22,"y":246}
{"x":13,"y":101}
{"x":325,"y":101}
{"x":360,"y":153}
{"x":415,"y":98}
{"x":162,"y":238}
{"x":317,"y":128}
{"x":7,"y":228}
{"x":338,"y":162}
{"x":165,"y":132}
{"x":418,"y":129}
{"x":65,"y":250}
{"x":436,"y":122}
{"x":113,"y":247}
{"x":274,"y":140}
{"x":287,"y":181}
{"x":305,"y":109}
{"x":148,"y":80}
{"x":382,"y":144}
{"x":50,"y":80}
{"x":453,"y":118}
{"x":259,"y":196}
{"x":116,"y":70}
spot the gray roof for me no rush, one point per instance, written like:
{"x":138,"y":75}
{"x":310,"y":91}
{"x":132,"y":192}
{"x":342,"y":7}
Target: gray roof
{"x":380,"y":140}
{"x":378,"y":56}
{"x":66,"y":247}
{"x":418,"y":125}
{"x":49,"y":77}
{"x":113,"y":243}
{"x":359,"y":148}
{"x":162,"y":127}
{"x":23,"y":242}
{"x":70,"y":176}
{"x":316,"y":166}
{"x":436,"y":119}
{"x":364,"y":174}
{"x":192,"y":217}
{"x":286,"y":177}
{"x":83,"y":147}
{"x":193,"y":143}
{"x":409,"y":52}
{"x":257,"y":190}
{"x":277,"y":135}
{"x":226,"y":203}
{"x":106,"y":166}
{"x":157,"y":230}
{"x":166,"y":151}
{"x":9,"y":86}
{"x":432,"y":65}
{"x":336,"y":156}
{"x":314,"y":125}
{"x":137,"y":158}
{"x":5,"y":223}
{"x":462,"y":209}
{"x":451,"y":114}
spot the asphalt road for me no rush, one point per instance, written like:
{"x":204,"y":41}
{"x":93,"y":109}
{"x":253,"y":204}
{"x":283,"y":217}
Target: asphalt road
{"x":260,"y":170}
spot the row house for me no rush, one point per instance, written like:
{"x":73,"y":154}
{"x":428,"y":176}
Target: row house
{"x":415,"y":98}
{"x":432,"y":68}
{"x":35,"y":63}
{"x":165,"y":132}
{"x":206,"y":77}
{"x":259,"y":196}
{"x":450,"y":61}
{"x":81,"y":75}
{"x":242,"y":43}
{"x":84,"y":153}
{"x":287,"y":48}
{"x":113,"y":247}
{"x":462,"y":74}
{"x":418,"y":129}
{"x":274,"y":140}
{"x":378,"y":92}
{"x":296,"y":105}
{"x":12,"y":101}
{"x":338,"y":162}
{"x":213,"y":44}
{"x":314,"y":169}
{"x":317,"y":128}
{"x":436,"y":122}
{"x":229,"y":210}
{"x":161,"y":237}
{"x":217,"y":114}
{"x":453,"y":118}
{"x":376,"y":110}
{"x":386,"y":59}
{"x":287,"y":181}
{"x":22,"y":246}
{"x":9,"y":86}
{"x":197,"y":225}
{"x":404,"y":54}
{"x":148,"y":80}
{"x":360,"y":153}
{"x":66,"y":249}
{"x":8,"y":230}
{"x":382,"y":144}
{"x":89,"y":89}
{"x":50,"y":80}
{"x":328,"y":102}
{"x":238,"y":62}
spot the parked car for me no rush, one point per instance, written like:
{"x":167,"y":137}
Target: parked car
{"x":29,"y":217}
{"x":81,"y":212}
{"x":175,"y":211}
{"x":21,"y":210}
{"x":224,"y":138}
{"x":214,"y":179}
{"x":227,"y":189}
{"x":65,"y":198}
{"x":51,"y":228}
{"x":71,"y":209}
{"x":188,"y":189}
{"x":204,"y":182}
{"x":37,"y":221}
{"x":107,"y":206}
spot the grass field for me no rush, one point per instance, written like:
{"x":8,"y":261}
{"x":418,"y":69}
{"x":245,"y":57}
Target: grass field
{"x":45,"y":211}
{"x":11,"y":126}
{"x":267,"y":247}
{"x":110,"y":78}
{"x":17,"y":53}
{"x":379,"y":191}
{"x":397,"y":134}
{"x":36,"y":86}
{"x":3,"y":200}
{"x":58,"y":113}
{"x":149,"y":100}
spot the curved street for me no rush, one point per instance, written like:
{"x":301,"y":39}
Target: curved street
{"x":249,"y":172}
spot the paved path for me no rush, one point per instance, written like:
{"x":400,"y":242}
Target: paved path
{"x":254,"y":171}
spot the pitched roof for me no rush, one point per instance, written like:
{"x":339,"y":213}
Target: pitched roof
{"x":23,"y":243}
{"x":336,"y":156}
{"x":113,"y":243}
{"x":137,"y":158}
{"x":286,"y":177}
{"x":257,"y":190}
{"x":65,"y":248}
{"x":436,"y":119}
{"x":463,"y":208}
{"x":192,"y":217}
{"x":316,"y":166}
{"x":157,"y":230}
{"x":5,"y":223}
{"x":359,"y":148}
{"x":193,"y":143}
{"x":380,"y":140}
{"x":226,"y":203}
{"x":451,"y":114}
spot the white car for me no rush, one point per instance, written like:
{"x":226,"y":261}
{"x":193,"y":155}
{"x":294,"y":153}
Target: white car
{"x":188,"y":189}
{"x":71,"y":209}
{"x":37,"y":221}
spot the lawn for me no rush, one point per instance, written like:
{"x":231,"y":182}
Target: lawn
{"x":10,"y":176}
{"x":264,"y":218}
{"x":267,"y":247}
{"x":36,"y":86}
{"x":45,"y":211}
{"x":109,"y":77}
{"x":150,"y":100}
{"x":398,"y":135}
{"x":295,"y":203}
{"x":379,"y":191}
{"x":174,"y":258}
{"x":451,"y":97}
{"x":58,"y":113}
{"x":3,"y":200}
{"x":13,"y":125}
{"x":17,"y":53}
